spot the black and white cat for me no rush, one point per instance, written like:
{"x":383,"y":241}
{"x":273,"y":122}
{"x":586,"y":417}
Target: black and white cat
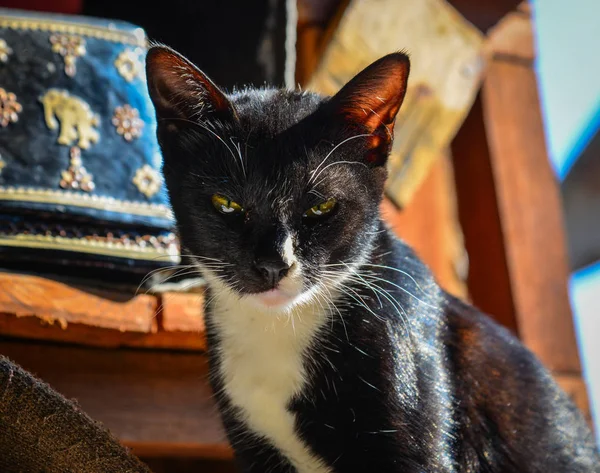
{"x":332,"y":348}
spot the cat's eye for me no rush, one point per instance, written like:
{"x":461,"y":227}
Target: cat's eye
{"x":321,"y":209}
{"x":225,"y":205}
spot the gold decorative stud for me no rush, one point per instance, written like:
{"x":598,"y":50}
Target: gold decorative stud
{"x":76,"y":176}
{"x":129,"y":65}
{"x":5,"y":51}
{"x":147,"y":180}
{"x":9,"y":108}
{"x":70,"y":47}
{"x":127,"y":122}
{"x":77,"y":121}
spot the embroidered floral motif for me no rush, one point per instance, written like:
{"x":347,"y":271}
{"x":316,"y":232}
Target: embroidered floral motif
{"x":77,"y":121}
{"x":5,"y":51}
{"x":9,"y":108}
{"x":147,"y":180}
{"x":70,"y":47}
{"x":129,"y":65}
{"x":77,"y":177}
{"x":128,"y":123}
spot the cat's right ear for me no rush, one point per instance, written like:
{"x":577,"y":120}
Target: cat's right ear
{"x":181,"y":92}
{"x":370,"y":101}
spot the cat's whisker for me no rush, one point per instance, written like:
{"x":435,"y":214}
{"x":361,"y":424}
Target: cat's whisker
{"x":237,"y":146}
{"x":336,"y":163}
{"x":352,"y":278}
{"x":182,"y":289}
{"x":201,"y":125}
{"x":357,"y":295}
{"x":392,"y":300}
{"x":169,"y":278}
{"x":357,"y":298}
{"x":291,"y":318}
{"x":403,"y":289}
{"x":210,"y":264}
{"x":330,"y":298}
{"x":398,"y":271}
{"x":317,"y":194}
{"x":390,"y":282}
{"x":371,"y":284}
{"x":377,"y":232}
{"x":361,"y":303}
{"x":153,"y":273}
{"x":312,"y":178}
{"x":206,"y":258}
{"x":376,"y":291}
{"x":318,"y":296}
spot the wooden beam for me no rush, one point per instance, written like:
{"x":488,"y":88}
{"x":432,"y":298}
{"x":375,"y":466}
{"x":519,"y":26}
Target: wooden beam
{"x":37,"y":308}
{"x":510,"y":206}
{"x":488,"y":277}
{"x":34,"y":328}
{"x":157,"y":403}
{"x":59,"y":303}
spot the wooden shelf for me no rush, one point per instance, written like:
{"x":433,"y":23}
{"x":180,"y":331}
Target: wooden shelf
{"x":36,"y":308}
{"x":135,"y":363}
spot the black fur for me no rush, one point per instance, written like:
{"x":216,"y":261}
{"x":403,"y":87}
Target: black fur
{"x":407,"y":378}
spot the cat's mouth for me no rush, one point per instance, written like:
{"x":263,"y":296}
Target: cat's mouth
{"x":291,"y":291}
{"x":275,"y":298}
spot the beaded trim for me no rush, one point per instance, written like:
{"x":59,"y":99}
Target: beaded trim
{"x":29,"y":194}
{"x":136,"y":37}
{"x":161,"y":248}
{"x":83,"y":246}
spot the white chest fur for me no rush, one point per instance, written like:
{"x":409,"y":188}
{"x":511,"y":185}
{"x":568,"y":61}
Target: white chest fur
{"x":262,"y":368}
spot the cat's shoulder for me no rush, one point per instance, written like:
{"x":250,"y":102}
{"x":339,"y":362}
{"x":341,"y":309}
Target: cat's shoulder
{"x":477,"y":341}
{"x":467,"y":327}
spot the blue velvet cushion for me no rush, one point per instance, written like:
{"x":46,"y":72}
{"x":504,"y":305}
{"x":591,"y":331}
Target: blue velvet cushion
{"x":79,"y":160}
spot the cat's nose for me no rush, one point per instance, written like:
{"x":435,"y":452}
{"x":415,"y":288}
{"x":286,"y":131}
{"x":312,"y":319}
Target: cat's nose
{"x":272,"y":270}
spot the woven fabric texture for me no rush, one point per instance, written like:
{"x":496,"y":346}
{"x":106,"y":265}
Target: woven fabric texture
{"x":42,"y":431}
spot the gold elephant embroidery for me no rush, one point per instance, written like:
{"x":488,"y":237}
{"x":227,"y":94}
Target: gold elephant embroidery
{"x":77,"y":121}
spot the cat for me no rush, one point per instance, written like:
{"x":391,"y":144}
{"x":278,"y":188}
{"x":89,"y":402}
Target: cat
{"x":332,"y":348}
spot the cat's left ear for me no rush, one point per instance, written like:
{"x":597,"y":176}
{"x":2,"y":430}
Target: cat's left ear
{"x":371,"y":100}
{"x":181,"y":91}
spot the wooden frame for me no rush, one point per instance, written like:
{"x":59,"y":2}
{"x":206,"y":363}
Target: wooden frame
{"x":510,"y":208}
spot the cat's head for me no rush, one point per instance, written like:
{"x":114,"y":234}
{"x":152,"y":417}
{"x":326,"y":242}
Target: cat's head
{"x":276,"y":193}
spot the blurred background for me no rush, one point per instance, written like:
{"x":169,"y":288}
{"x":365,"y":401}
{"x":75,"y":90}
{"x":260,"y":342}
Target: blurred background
{"x":494,"y":180}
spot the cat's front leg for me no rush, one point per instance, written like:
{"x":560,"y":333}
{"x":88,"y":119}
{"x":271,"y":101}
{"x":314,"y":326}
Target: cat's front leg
{"x":263,"y":462}
{"x":253,"y":454}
